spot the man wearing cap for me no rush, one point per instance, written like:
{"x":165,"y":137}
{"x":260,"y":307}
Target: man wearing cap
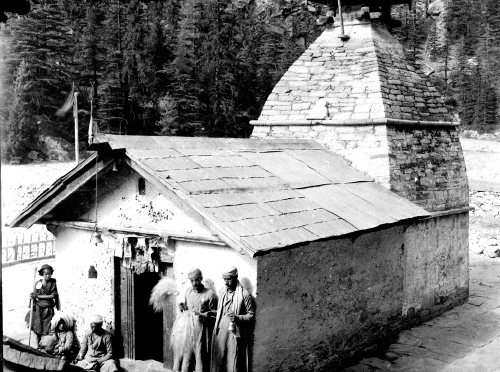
{"x":96,"y":352}
{"x":203,"y":302}
{"x":235,"y":315}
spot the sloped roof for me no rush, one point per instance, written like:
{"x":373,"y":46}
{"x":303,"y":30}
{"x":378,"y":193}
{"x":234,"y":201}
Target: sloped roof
{"x":364,"y":79}
{"x":267,"y":194}
{"x":258,"y":195}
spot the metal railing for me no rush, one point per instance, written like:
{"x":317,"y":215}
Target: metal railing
{"x":27,"y":246}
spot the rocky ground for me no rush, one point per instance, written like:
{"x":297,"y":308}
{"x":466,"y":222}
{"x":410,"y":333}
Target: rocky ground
{"x":483,"y":169}
{"x":21,"y":184}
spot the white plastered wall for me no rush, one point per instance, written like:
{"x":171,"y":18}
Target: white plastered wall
{"x":212,"y":260}
{"x":80,"y":295}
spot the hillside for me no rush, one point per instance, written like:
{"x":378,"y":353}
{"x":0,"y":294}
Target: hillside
{"x":482,"y":158}
{"x":21,"y":184}
{"x":205,"y":68}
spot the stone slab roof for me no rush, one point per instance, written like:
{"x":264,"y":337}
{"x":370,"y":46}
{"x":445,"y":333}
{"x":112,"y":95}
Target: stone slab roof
{"x":267,"y":194}
{"x":364,"y":79}
{"x":256,"y":195}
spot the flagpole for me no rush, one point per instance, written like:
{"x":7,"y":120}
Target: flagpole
{"x":1,"y":292}
{"x":75,"y":115}
{"x":342,"y":36}
{"x":92,"y":131}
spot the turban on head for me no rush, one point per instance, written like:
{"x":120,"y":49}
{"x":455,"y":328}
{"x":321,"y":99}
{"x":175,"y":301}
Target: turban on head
{"x":230,"y":271}
{"x":96,"y":319}
{"x":65,"y":317}
{"x":195,"y":273}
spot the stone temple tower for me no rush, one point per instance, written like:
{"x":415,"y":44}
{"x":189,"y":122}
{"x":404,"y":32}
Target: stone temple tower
{"x":361,"y":99}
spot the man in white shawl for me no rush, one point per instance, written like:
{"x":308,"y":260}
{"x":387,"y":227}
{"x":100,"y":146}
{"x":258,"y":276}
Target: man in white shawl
{"x":235,"y":315}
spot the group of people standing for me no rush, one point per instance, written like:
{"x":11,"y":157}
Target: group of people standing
{"x":220,"y":346}
{"x":226,"y":322}
{"x":55,"y":331}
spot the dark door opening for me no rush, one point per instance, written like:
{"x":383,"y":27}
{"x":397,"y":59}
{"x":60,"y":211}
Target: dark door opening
{"x":148,"y":323}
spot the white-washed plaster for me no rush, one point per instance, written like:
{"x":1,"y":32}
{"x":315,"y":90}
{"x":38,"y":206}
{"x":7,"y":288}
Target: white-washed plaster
{"x":120,"y":205}
{"x":212,"y":260}
{"x":81,"y":296}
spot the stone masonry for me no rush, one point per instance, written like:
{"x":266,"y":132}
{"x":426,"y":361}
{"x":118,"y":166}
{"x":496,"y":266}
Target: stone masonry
{"x":485,"y":203}
{"x":362,"y":100}
{"x":363,"y":79}
{"x":427,"y":167}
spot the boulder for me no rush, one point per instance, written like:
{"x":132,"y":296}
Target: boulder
{"x":56,"y":148}
{"x":492,"y":242}
{"x":34,"y":156}
{"x":435,"y":9}
{"x":476,"y":248}
{"x":492,"y":251}
{"x":483,"y":241}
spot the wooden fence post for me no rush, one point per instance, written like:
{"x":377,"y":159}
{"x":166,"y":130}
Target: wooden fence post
{"x":45,"y":245}
{"x":15,"y":249}
{"x":30,"y":246}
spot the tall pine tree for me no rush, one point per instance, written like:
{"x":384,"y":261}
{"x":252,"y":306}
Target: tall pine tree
{"x":22,"y":129}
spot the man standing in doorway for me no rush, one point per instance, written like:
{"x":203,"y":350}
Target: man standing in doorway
{"x":235,"y":314}
{"x":203,"y":302}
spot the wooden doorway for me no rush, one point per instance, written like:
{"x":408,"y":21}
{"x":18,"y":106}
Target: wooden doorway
{"x":143,"y":334}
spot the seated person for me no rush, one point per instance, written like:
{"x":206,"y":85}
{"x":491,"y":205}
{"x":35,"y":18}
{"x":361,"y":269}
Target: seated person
{"x":61,"y":340}
{"x":96,"y":352}
{"x":65,"y":338}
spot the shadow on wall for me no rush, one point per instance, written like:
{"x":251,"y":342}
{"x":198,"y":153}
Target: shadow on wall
{"x":245,"y":283}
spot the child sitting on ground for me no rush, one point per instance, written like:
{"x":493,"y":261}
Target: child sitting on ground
{"x":61,"y":343}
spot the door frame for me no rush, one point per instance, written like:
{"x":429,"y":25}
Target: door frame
{"x":125,"y":334}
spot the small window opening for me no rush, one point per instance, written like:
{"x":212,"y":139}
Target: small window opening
{"x":142,"y":186}
{"x":92,"y":272}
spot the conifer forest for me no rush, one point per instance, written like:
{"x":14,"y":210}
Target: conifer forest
{"x":206,"y":67}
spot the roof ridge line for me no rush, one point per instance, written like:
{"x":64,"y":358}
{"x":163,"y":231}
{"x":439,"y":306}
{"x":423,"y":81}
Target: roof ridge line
{"x":360,"y":122}
{"x":378,"y":71}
